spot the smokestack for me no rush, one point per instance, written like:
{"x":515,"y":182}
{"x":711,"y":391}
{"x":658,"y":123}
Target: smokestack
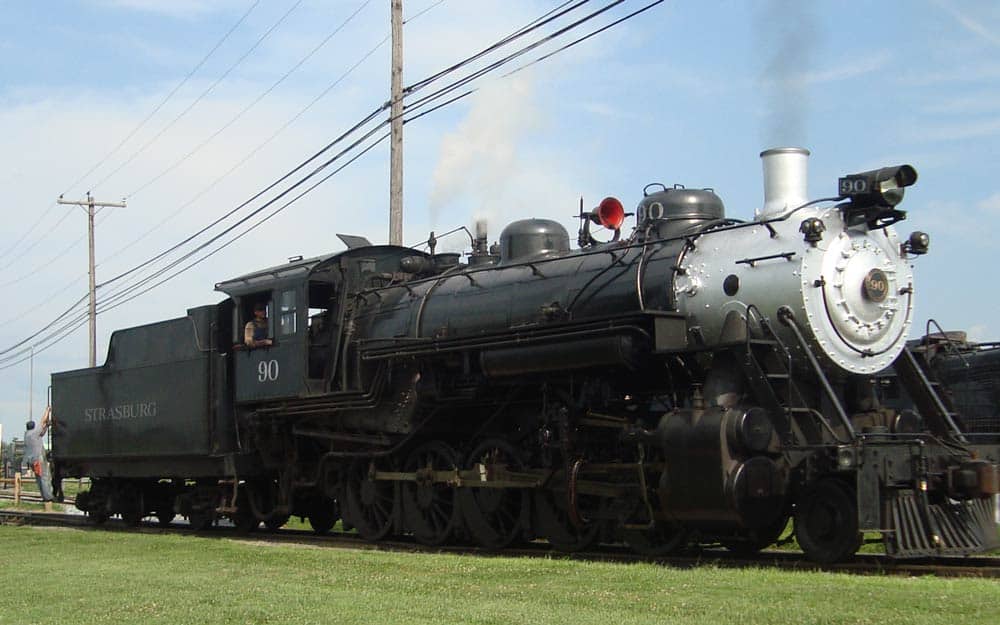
{"x":785,"y":180}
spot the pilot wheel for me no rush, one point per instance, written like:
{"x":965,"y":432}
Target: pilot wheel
{"x":826,"y":522}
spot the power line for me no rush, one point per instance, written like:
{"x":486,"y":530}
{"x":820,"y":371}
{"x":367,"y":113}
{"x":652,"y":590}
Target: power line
{"x":535,"y":24}
{"x":131,"y":134}
{"x":489,"y":68}
{"x":249,"y":229}
{"x":438,"y":94}
{"x":267,"y":141}
{"x":48,"y":263}
{"x":407,"y":20}
{"x":544,"y":57}
{"x":166,"y":98}
{"x":246,"y":158}
{"x":252,"y":104}
{"x":159,"y":272}
{"x":300,"y":182}
{"x":202,"y":96}
{"x":132,"y":290}
{"x":49,"y":298}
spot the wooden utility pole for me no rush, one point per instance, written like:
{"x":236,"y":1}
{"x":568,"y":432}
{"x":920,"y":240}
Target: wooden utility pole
{"x":90,"y":205}
{"x":396,"y":138}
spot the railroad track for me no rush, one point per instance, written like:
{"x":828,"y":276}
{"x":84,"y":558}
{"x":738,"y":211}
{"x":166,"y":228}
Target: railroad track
{"x":861,"y":564}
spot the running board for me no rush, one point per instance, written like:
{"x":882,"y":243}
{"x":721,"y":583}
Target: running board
{"x":951,"y":529}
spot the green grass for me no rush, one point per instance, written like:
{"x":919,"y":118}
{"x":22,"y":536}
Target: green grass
{"x":8,"y":504}
{"x":109,"y":577}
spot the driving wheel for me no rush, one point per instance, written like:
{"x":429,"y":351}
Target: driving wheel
{"x":429,"y":506}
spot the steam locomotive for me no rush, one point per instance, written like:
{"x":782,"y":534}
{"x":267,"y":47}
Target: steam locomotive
{"x":700,"y":381}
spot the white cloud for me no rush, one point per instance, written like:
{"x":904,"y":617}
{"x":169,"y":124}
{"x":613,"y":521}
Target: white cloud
{"x":53,"y":135}
{"x":843,"y":69}
{"x":978,"y":103}
{"x":956,"y":131}
{"x":970,"y":23}
{"x":990,"y":204}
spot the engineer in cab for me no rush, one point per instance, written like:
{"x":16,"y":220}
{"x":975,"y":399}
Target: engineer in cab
{"x":255,"y":332}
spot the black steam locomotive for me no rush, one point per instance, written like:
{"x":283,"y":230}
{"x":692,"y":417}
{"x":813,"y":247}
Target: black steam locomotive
{"x":701,"y":380}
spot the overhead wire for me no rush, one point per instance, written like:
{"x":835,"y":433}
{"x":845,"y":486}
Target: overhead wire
{"x":326,"y":148}
{"x":127,"y":137}
{"x":266,"y":142}
{"x":544,"y":57}
{"x":321,"y":167}
{"x":252,"y":104}
{"x":535,"y":24}
{"x":316,"y":171}
{"x":131,"y":291}
{"x":252,"y":227}
{"x":49,"y":263}
{"x":168,"y":97}
{"x":323,"y":150}
{"x":490,"y":67}
{"x":49,"y":298}
{"x":201,"y":96}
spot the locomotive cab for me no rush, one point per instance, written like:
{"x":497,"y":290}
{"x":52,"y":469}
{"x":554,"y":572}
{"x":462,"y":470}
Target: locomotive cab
{"x":308,"y":303}
{"x":298,"y":306}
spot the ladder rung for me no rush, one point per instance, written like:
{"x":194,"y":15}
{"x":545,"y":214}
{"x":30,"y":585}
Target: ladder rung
{"x":778,"y":376}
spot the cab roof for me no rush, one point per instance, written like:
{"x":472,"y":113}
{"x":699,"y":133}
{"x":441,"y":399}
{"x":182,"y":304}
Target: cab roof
{"x":294,"y":271}
{"x":298,"y":270}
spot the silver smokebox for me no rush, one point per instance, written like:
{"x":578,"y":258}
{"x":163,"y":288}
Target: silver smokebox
{"x":785,"y":180}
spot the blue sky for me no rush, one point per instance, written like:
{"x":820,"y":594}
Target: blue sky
{"x":688,"y":93}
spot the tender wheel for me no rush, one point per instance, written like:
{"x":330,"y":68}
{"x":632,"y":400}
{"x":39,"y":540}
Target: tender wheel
{"x":244,"y":520}
{"x":132,"y":509}
{"x":826,"y":522}
{"x":323,"y":514}
{"x":430,"y":507}
{"x":493,"y":515}
{"x":201,"y":520}
{"x":97,"y":517}
{"x":369,"y":504}
{"x":276,"y":523}
{"x":660,"y":540}
{"x":165,"y":517}
{"x":132,"y":518}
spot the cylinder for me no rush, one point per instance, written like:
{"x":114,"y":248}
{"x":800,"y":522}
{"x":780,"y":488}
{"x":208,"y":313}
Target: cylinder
{"x":786,"y":172}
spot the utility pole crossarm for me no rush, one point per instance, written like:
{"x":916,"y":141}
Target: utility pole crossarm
{"x":87,"y":203}
{"x":91,"y":205}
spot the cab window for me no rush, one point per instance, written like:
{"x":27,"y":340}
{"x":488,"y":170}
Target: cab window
{"x":287,"y":316}
{"x":244,"y":315}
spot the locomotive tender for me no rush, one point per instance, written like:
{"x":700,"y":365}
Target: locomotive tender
{"x":700,"y":381}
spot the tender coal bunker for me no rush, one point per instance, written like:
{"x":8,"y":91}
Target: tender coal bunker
{"x":731,"y":285}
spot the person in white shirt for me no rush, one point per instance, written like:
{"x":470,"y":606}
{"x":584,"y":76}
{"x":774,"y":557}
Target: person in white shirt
{"x":34,"y":453}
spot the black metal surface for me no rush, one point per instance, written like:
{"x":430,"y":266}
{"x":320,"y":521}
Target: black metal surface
{"x":152,"y":399}
{"x":926,"y":399}
{"x":947,"y":529}
{"x":627,"y":415}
